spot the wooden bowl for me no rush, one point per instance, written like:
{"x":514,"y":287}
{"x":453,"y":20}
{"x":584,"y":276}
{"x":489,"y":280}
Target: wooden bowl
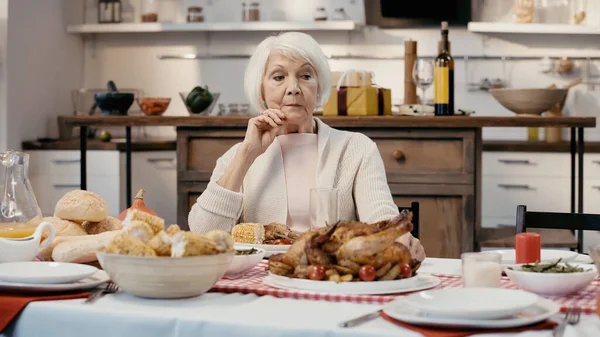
{"x":529,"y":101}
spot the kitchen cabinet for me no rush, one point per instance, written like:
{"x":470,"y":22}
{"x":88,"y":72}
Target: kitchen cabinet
{"x":54,"y":173}
{"x":541,"y":181}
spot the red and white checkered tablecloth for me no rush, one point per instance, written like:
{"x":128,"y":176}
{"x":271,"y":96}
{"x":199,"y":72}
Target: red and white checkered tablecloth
{"x":252,"y":282}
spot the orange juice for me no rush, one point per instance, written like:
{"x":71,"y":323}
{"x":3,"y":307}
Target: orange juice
{"x":16,"y":230}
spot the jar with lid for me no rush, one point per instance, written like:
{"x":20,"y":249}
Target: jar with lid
{"x":553,"y":11}
{"x":320,"y":14}
{"x":195,"y":14}
{"x":577,"y":12}
{"x":524,"y":11}
{"x":338,"y":14}
{"x":109,"y":11}
{"x":150,"y":11}
{"x":250,"y":11}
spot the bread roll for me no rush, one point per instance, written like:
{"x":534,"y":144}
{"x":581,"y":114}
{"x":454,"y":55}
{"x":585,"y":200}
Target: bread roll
{"x":106,"y":225}
{"x":81,"y":206}
{"x":64,"y":229}
{"x":82,"y":249}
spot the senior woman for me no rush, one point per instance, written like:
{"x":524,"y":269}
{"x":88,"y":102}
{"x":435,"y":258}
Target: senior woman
{"x":286,"y":151}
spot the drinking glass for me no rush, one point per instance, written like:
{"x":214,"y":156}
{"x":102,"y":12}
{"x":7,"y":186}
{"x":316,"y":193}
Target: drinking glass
{"x":323,"y":207}
{"x":481,"y":269}
{"x":423,"y":76}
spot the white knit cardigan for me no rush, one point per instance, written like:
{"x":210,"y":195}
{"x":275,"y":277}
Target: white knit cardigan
{"x":349,"y":161}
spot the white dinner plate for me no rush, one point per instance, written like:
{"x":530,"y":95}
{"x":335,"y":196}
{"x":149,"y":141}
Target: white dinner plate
{"x":90,"y":282}
{"x":415,"y":283}
{"x":472,"y":303}
{"x":269,"y":249}
{"x":547,"y":255}
{"x":401,"y":310}
{"x":38,"y":272}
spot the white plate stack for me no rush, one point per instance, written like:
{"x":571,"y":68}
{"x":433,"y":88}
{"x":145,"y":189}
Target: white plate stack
{"x":466,"y":308}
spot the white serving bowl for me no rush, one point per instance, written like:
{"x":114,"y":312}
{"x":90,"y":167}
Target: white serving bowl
{"x":552,"y":284}
{"x":165,"y":277}
{"x":243,"y":263}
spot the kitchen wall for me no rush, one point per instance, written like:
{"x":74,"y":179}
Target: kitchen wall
{"x":40,"y":64}
{"x":132,"y":59}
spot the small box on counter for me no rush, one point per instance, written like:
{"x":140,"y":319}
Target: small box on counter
{"x":359,"y":101}
{"x":352,"y":78}
{"x":354,"y":94}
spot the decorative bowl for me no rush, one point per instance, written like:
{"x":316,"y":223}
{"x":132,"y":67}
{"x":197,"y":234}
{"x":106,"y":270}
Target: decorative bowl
{"x":533,"y":101}
{"x":552,"y":284}
{"x":165,"y":277}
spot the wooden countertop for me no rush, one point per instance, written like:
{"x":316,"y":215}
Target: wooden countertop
{"x":525,"y":146}
{"x":116,"y":144}
{"x":338,"y":121}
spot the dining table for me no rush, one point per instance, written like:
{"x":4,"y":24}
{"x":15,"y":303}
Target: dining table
{"x":233,"y":314}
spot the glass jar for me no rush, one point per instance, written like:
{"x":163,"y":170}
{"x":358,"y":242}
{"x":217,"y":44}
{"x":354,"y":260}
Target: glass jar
{"x":109,"y":11}
{"x":195,"y":14}
{"x":338,"y":14}
{"x":577,"y":12}
{"x":150,"y":11}
{"x":553,"y":11}
{"x":524,"y":11}
{"x":251,"y":11}
{"x":320,"y":14}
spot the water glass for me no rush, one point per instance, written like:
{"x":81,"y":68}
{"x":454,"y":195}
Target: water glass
{"x":481,"y":269}
{"x":323,"y":207}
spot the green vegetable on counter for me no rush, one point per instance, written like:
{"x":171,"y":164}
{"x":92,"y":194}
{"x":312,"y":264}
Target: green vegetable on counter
{"x":199,"y":99}
{"x":550,"y":268}
{"x":246,"y":251}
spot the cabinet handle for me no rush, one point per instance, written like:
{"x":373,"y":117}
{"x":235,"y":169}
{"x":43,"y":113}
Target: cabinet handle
{"x":501,"y":225}
{"x":65,"y":161}
{"x":515,"y":187}
{"x":596,"y":187}
{"x":596,"y":162}
{"x":161,"y":160}
{"x":398,"y":155}
{"x":66,"y":186}
{"x":516,"y":161}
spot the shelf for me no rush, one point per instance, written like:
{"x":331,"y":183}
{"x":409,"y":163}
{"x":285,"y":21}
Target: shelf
{"x":345,"y":25}
{"x":532,"y":28}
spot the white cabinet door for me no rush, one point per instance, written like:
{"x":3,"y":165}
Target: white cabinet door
{"x":521,"y":164}
{"x":156,"y":173}
{"x":502,"y":195}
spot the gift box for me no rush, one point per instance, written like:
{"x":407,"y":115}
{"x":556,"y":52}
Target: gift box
{"x":353,"y":78}
{"x":360,"y":100}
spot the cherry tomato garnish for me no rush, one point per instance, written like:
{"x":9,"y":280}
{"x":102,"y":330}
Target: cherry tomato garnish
{"x":316,"y":273}
{"x":405,"y":271}
{"x":367,"y":273}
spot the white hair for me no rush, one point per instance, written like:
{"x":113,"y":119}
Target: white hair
{"x":296,"y":46}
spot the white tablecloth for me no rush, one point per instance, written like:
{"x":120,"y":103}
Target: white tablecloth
{"x":216,"y":314}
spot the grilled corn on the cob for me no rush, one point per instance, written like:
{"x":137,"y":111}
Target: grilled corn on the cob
{"x":161,"y":243}
{"x":253,"y":233}
{"x":156,"y":223}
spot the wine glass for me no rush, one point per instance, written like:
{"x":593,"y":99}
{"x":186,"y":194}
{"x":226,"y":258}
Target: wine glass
{"x":423,"y":76}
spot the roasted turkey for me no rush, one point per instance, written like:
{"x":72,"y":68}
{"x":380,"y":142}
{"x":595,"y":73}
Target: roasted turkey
{"x":346,"y":246}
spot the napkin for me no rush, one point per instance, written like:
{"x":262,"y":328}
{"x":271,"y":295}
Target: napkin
{"x":462,"y":332}
{"x":12,"y":304}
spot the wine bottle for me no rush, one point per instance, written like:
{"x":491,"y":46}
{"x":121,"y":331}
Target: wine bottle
{"x":443,"y":77}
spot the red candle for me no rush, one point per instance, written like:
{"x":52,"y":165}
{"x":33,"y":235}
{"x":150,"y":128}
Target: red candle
{"x":528,"y":247}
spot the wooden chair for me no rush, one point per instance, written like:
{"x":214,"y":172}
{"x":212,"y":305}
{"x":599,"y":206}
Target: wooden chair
{"x":551,"y":220}
{"x":414,"y":208}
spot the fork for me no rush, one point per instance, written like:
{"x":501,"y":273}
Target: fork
{"x":572,"y":316}
{"x":110,"y":288}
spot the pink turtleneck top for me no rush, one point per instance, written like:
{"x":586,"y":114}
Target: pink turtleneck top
{"x":300,"y":155}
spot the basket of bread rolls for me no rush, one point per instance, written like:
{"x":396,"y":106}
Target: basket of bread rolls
{"x":138,"y":251}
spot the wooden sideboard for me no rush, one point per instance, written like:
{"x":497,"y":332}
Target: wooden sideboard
{"x":433,"y":160}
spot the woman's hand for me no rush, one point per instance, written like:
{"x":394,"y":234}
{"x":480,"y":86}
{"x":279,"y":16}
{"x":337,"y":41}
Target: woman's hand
{"x":414,"y":246}
{"x":262,"y":131}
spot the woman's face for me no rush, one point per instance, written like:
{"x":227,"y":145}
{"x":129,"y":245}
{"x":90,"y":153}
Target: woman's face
{"x":290,"y":86}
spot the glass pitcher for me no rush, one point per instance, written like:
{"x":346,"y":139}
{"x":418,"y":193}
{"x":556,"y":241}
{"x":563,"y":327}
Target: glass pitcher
{"x":20,"y":213}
